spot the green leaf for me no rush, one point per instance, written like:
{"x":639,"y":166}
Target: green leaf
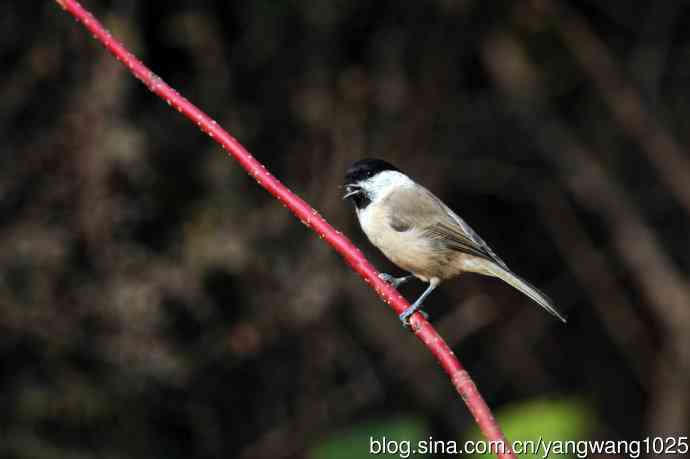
{"x":550,"y":419}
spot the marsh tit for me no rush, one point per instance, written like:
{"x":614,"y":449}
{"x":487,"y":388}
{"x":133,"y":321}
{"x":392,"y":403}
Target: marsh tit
{"x":420,"y":234}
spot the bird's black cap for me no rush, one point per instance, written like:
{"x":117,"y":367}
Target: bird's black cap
{"x":367,"y":168}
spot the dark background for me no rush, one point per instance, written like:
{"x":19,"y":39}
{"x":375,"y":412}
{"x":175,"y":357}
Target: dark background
{"x":155,"y":302}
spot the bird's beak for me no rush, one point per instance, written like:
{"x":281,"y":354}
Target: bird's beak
{"x":351,"y":190}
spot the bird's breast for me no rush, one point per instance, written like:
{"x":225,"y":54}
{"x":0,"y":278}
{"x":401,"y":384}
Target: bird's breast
{"x":406,"y":245}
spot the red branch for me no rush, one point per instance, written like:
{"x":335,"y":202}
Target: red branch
{"x":309,"y":217}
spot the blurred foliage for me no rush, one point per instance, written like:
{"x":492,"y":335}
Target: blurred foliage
{"x":156,"y":303}
{"x":355,"y":443}
{"x":546,"y":419}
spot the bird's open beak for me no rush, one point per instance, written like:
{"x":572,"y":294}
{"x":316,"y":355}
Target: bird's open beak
{"x":351,"y":190}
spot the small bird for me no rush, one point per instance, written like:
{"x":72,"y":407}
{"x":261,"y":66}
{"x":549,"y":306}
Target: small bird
{"x":420,"y":234}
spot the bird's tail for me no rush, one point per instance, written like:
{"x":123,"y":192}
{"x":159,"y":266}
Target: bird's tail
{"x":528,"y":289}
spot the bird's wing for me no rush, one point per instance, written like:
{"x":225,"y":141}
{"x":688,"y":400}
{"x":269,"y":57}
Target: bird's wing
{"x":467,"y":232}
{"x":415,"y":205}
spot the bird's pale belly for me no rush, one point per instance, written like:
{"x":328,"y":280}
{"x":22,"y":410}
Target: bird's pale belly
{"x":414,"y":253}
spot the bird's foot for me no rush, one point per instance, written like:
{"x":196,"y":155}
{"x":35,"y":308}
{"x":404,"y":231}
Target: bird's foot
{"x":405,"y":316}
{"x":394,"y":281}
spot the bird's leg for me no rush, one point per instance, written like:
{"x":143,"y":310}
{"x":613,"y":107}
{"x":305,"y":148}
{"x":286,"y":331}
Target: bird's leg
{"x":395,"y":281}
{"x":404,"y":317}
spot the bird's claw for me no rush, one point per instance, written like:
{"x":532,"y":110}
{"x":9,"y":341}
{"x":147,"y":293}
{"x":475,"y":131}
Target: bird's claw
{"x":387,"y":278}
{"x":394,"y":281}
{"x":405,"y":316}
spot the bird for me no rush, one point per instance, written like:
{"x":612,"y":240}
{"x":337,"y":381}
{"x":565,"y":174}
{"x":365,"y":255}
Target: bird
{"x":421,"y":235}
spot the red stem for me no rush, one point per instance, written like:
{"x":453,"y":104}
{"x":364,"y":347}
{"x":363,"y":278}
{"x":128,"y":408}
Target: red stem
{"x":309,"y":217}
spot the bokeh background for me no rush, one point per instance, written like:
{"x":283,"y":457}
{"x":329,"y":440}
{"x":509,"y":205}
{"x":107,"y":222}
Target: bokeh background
{"x":156,"y":303}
